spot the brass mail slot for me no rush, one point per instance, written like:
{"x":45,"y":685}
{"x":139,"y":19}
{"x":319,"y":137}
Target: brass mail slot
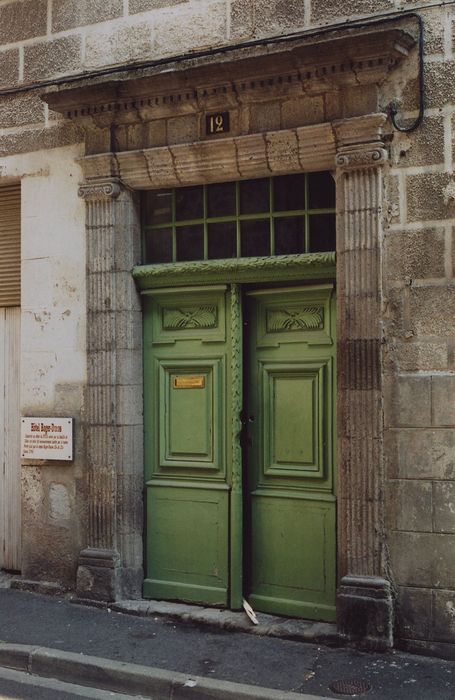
{"x":189,"y":381}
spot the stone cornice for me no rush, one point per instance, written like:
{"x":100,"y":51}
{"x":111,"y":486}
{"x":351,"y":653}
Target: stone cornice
{"x":314,"y":65}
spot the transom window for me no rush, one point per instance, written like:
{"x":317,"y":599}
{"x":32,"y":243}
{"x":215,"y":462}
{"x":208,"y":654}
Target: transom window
{"x":271,"y":216}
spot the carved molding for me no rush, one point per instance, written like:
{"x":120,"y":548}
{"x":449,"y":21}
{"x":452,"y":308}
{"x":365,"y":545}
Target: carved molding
{"x":237,"y":269}
{"x":190,"y":317}
{"x":99,"y":190}
{"x":236,"y":385}
{"x":305,"y":318}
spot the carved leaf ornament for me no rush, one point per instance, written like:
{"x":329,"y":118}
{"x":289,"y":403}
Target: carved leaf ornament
{"x":190,"y":317}
{"x":303,"y":319}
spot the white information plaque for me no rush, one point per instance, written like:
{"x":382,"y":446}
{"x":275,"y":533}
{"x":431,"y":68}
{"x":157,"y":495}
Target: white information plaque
{"x":47,"y":438}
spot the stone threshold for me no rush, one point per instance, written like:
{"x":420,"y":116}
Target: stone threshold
{"x":269,"y":625}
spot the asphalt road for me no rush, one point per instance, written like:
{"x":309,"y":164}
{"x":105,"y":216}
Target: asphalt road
{"x":27,"y":618}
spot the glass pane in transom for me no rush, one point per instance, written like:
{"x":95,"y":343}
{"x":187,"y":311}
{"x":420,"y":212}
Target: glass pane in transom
{"x":158,"y":245}
{"x":221,"y":200}
{"x":289,"y":193}
{"x":222,"y":240}
{"x":254,"y":196}
{"x":289,"y":235}
{"x":189,"y":203}
{"x":190,"y":242}
{"x":157,"y":207}
{"x":255,"y":238}
{"x":321,"y":191}
{"x":322,"y":233}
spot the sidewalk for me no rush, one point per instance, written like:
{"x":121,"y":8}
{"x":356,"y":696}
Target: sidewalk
{"x":167,"y":658}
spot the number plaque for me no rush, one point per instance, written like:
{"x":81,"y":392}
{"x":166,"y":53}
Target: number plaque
{"x":217,"y":123}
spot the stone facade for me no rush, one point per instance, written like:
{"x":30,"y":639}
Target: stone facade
{"x":75,"y":316}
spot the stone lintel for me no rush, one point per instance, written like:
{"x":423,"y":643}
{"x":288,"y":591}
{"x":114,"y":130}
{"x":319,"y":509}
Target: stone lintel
{"x":349,"y":143}
{"x":365,"y":612}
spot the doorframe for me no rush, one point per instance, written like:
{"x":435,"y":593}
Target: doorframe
{"x":356,"y":149}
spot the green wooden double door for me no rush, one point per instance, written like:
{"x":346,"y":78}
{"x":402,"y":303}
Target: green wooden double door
{"x":239,"y":436}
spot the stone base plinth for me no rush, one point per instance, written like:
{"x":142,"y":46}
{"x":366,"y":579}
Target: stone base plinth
{"x":101,"y":577}
{"x":365,"y":613}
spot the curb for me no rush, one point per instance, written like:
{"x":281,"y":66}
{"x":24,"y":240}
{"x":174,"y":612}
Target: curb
{"x":122,"y":677}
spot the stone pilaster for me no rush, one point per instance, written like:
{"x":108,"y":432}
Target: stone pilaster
{"x":111,"y":565}
{"x":361,"y":540}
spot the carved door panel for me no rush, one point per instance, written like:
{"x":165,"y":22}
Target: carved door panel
{"x":290,"y":546}
{"x":193,"y":399}
{"x":188,"y":453}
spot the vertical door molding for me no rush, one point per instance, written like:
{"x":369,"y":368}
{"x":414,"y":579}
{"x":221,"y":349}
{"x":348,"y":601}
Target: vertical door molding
{"x":111,"y":565}
{"x":362,"y":561}
{"x":236,"y":512}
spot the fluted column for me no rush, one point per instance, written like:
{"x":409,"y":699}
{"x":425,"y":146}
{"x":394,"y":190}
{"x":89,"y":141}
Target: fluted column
{"x":361,"y":542}
{"x":110,"y":565}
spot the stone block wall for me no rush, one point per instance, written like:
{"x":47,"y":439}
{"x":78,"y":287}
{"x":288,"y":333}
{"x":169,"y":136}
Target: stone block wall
{"x":45,"y":40}
{"x":53,"y":358}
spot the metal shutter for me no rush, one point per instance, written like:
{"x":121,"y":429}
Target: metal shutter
{"x":10,"y":245}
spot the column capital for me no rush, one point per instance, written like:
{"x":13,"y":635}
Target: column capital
{"x":361,"y":156}
{"x":100,"y":190}
{"x":359,"y":142}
